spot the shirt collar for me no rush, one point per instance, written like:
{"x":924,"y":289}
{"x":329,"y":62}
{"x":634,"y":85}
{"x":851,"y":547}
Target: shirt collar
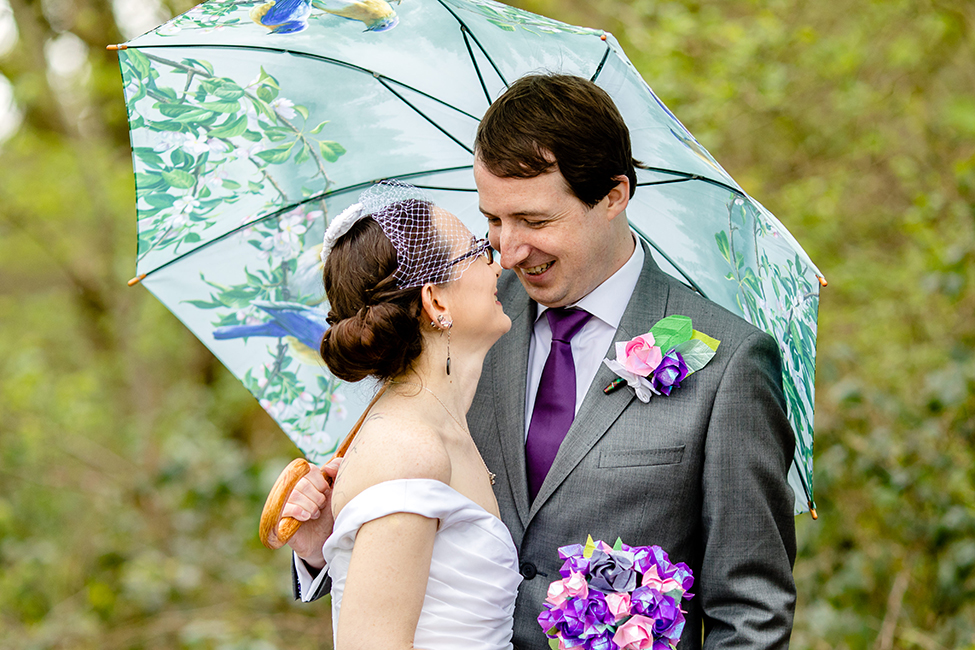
{"x":604,"y":302}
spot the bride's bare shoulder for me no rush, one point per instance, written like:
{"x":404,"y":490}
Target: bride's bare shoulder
{"x":389,"y":448}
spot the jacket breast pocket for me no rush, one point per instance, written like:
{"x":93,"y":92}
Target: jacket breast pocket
{"x":641,"y":457}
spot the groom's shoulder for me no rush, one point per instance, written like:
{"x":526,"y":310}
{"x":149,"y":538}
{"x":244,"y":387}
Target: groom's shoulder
{"x":708,"y":316}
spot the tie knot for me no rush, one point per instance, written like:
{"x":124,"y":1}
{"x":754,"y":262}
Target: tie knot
{"x":566,"y":323}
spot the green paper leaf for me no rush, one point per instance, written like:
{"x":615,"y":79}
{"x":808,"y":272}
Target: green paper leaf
{"x":618,"y":545}
{"x":671,"y":331}
{"x":701,"y":336}
{"x":696,"y":354}
{"x":321,"y":126}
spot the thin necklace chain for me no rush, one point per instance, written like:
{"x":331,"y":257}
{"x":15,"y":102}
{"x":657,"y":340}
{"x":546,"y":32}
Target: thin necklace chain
{"x":491,"y":475}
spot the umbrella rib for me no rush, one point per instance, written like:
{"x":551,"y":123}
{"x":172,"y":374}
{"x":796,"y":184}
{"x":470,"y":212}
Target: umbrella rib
{"x":599,"y":68}
{"x":477,"y":68}
{"x":318,"y":57}
{"x":690,"y":177}
{"x":385,"y":84}
{"x":476,"y":42}
{"x":317,"y":197}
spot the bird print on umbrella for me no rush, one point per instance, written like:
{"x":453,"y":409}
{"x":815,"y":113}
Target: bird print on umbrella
{"x":302,"y":327}
{"x":291,"y":16}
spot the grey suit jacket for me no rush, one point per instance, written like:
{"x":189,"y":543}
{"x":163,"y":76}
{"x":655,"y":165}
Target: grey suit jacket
{"x":701,"y":473}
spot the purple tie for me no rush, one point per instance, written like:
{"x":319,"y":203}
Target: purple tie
{"x":555,"y":402}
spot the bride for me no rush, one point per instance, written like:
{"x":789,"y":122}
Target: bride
{"x":409,"y":535}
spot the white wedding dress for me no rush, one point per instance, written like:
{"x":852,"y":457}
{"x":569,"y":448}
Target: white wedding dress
{"x":474,"y":578}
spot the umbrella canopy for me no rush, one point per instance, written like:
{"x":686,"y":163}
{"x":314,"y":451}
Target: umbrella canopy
{"x":252,"y":123}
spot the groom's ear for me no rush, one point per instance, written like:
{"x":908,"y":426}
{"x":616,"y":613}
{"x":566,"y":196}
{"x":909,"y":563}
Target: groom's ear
{"x":619,"y":197}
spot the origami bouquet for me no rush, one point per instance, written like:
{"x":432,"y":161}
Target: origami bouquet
{"x":642,"y":363}
{"x":616,"y":598}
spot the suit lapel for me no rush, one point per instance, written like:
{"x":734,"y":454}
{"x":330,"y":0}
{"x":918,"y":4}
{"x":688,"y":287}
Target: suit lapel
{"x":509,"y":371}
{"x":598,"y":410}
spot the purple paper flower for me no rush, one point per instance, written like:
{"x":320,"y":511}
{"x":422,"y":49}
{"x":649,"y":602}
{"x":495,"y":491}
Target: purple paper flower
{"x":603,"y":641}
{"x":580,"y":618}
{"x":574,"y":564}
{"x":669,"y":373}
{"x":572,"y":550}
{"x":644,"y":600}
{"x":668,"y":620}
{"x":550,"y":617}
{"x":612,"y":571}
{"x":642,"y":558}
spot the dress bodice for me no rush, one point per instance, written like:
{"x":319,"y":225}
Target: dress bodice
{"x":474,"y":578}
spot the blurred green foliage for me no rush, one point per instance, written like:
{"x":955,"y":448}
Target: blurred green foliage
{"x":133,"y":466}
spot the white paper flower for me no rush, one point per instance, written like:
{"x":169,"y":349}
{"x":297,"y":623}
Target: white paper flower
{"x":339,"y":226}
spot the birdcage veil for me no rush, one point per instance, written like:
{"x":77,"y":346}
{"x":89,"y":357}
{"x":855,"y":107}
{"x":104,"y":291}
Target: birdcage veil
{"x":432,"y":245}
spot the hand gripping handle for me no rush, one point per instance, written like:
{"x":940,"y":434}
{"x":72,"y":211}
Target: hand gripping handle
{"x":274,"y":530}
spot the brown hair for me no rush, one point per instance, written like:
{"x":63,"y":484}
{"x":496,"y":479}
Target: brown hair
{"x":548,"y":122}
{"x":375,"y":325}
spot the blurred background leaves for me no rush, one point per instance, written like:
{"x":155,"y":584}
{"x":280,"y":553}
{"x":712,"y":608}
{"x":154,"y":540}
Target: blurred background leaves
{"x":133,"y":467}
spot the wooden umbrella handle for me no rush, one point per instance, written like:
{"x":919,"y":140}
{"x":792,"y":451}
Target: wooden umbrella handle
{"x":274,"y":530}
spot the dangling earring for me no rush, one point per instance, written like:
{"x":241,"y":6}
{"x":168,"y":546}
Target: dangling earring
{"x":446,"y":324}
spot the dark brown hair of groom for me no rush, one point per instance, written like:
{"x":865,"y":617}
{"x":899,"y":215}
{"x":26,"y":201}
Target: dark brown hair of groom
{"x":548,"y":122}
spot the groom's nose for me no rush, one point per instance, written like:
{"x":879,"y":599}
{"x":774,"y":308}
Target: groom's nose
{"x":511,"y":247}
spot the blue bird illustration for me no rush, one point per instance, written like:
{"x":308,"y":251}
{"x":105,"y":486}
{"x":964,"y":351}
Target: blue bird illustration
{"x":302,"y":327}
{"x":376,"y":15}
{"x":282,"y":16}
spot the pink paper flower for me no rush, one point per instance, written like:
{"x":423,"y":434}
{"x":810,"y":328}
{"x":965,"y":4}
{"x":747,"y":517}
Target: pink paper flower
{"x":618,"y":603}
{"x":640,"y":355}
{"x":635,"y":634}
{"x":652,"y":579}
{"x":575,"y":585}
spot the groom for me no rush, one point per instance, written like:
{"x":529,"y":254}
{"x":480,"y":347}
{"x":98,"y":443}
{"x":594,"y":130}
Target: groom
{"x":701,"y":472}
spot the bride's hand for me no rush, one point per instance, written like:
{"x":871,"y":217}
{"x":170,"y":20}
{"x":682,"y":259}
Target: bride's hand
{"x":310,"y":502}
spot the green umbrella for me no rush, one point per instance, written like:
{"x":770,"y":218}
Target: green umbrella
{"x":252,"y":123}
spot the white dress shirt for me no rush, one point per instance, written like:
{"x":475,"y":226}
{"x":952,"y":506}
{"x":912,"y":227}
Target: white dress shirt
{"x":606,"y":303}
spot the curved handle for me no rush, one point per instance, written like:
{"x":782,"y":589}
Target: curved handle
{"x":273,"y":533}
{"x":273,"y":530}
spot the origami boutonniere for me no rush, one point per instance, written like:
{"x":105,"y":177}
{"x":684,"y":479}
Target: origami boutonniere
{"x":641,"y":362}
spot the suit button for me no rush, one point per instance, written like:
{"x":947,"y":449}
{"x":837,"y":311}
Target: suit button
{"x":528,"y":570}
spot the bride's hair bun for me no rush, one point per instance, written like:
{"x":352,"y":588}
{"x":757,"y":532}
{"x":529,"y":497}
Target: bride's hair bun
{"x":375,"y":326}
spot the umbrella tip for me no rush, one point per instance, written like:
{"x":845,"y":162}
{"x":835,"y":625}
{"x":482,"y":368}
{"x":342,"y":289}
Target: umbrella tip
{"x":602,"y":36}
{"x":136,"y":280}
{"x":812,"y":511}
{"x":115,"y":48}
{"x":822,"y":282}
